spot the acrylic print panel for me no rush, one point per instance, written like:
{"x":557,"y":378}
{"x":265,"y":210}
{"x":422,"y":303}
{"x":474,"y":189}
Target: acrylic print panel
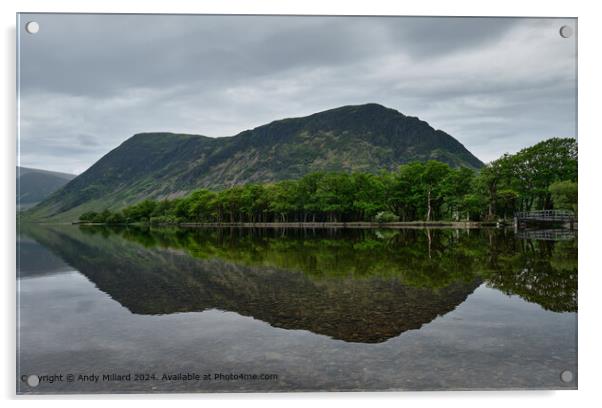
{"x":296,"y":203}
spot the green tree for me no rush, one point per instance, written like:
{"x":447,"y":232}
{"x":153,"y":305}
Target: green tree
{"x":490,"y":179}
{"x":88,"y":216}
{"x":473,"y":205}
{"x":283,"y":199}
{"x":564,"y":195}
{"x":335,"y":195}
{"x":537,"y":167}
{"x":429,"y":191}
{"x":403,"y":190}
{"x":458,"y":183}
{"x":140,"y":212}
{"x":307,"y":190}
{"x":507,"y":201}
{"x":115,"y":218}
{"x":368,"y":195}
{"x":200,"y":207}
{"x":434,"y":173}
{"x":102,"y":217}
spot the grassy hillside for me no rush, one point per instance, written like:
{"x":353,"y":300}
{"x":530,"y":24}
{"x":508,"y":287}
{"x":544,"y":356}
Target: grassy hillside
{"x":157,"y":165}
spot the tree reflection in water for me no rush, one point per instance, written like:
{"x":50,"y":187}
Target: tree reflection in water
{"x":353,"y":285}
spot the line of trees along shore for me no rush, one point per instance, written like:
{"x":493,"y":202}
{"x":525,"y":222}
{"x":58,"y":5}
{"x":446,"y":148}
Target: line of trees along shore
{"x":543,"y":176}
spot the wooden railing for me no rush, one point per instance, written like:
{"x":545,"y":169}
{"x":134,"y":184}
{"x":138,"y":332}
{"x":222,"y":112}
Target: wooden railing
{"x":546,"y":215}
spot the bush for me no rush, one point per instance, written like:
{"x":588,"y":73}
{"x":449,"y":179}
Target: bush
{"x":386,"y":216}
{"x":164,"y":219}
{"x":115,"y":218}
{"x":88,"y":216}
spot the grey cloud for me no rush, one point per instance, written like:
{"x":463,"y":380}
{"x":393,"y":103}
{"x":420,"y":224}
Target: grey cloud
{"x":110,"y":52}
{"x":90,"y":82}
{"x":87,"y":140}
{"x":436,"y":36}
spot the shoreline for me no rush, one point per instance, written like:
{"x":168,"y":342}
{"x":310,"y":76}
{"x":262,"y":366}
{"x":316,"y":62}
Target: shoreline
{"x":320,"y":225}
{"x":342,"y":225}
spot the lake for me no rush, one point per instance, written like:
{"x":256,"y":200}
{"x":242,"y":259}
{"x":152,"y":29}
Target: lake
{"x":216,"y":310}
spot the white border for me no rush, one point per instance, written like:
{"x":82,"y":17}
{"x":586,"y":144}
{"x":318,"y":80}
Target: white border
{"x":590,"y":134}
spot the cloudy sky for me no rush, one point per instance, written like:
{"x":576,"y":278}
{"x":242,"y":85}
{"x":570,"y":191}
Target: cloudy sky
{"x":87,"y":83}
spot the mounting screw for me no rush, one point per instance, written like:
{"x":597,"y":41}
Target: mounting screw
{"x":33,"y":380}
{"x":566,"y":376}
{"x":566,"y":31}
{"x":32,"y":27}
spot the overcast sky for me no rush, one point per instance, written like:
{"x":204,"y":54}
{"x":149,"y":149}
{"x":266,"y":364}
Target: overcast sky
{"x":88,"y":83}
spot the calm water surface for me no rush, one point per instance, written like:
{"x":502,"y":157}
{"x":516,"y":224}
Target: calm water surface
{"x":307,"y":310}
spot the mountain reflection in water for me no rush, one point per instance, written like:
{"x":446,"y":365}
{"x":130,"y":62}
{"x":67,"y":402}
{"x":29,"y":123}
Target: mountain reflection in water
{"x":354,"y":285}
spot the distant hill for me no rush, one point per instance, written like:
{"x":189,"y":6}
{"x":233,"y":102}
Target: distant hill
{"x":365,"y":138}
{"x":34,"y":185}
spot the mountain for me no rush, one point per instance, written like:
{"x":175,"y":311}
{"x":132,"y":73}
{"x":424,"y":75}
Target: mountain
{"x":350,"y":138}
{"x":34,"y":185}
